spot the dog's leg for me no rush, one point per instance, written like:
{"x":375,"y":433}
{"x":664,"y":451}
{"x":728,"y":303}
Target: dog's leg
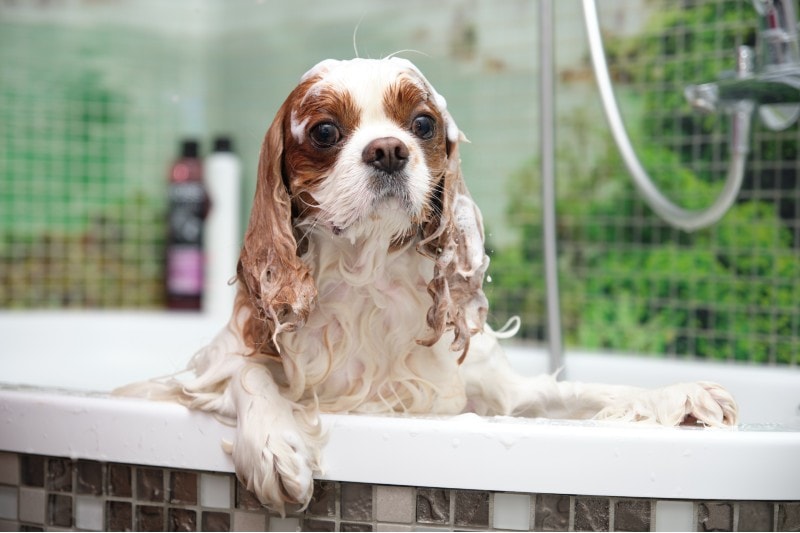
{"x":276,"y":448}
{"x":494,"y":388}
{"x":277,"y":442}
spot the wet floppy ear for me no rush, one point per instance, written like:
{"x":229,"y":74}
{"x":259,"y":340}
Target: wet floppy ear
{"x":278,"y":284}
{"x":454,"y":240}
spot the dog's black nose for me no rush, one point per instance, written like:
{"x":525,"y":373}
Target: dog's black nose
{"x":389,"y":154}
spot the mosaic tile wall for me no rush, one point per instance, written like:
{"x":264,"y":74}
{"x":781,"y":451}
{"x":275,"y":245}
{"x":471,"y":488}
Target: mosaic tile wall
{"x":52,"y":493}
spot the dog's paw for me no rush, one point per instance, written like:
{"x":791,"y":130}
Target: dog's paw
{"x":276,"y":465}
{"x":686,"y":403}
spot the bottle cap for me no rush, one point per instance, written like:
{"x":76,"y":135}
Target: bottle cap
{"x":223,"y":144}
{"x":190,"y":148}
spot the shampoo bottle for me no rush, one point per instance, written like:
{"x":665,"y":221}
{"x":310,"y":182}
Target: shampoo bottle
{"x":223,"y":234}
{"x":188,"y":205}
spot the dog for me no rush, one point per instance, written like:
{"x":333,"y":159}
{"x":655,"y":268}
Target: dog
{"x":360,"y":288}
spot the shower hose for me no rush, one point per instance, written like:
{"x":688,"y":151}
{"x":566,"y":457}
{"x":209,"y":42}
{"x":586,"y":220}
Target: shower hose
{"x":687,"y":220}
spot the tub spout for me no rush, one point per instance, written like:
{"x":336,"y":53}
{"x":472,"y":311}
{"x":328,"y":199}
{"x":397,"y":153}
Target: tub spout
{"x":776,"y":87}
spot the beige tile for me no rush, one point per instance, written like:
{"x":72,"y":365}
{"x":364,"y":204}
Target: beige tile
{"x":9,"y":499}
{"x":283,"y":524}
{"x":243,"y":521}
{"x":32,"y":505}
{"x":395,"y":504}
{"x":8,"y":525}
{"x":9,"y":468}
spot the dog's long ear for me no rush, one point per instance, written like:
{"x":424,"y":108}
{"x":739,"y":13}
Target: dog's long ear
{"x":454,"y":240}
{"x":279,"y":285}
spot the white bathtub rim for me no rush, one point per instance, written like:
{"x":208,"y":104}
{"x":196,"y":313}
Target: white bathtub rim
{"x":464,"y":452}
{"x":523,"y":456}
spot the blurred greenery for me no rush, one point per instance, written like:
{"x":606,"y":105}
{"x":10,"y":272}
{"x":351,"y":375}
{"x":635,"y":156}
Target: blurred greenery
{"x":628,"y":281}
{"x":70,"y":227}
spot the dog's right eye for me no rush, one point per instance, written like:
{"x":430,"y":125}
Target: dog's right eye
{"x":325,"y":134}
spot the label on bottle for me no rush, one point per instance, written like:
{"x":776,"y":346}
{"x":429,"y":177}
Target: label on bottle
{"x":185,"y":270}
{"x":187,"y":206}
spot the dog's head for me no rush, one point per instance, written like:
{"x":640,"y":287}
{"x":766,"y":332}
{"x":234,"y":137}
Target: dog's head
{"x":362,"y":149}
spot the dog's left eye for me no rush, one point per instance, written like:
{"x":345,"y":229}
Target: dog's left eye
{"x":325,"y":134}
{"x":423,"y":127}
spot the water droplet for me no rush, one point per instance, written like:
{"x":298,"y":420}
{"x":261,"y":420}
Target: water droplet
{"x":488,"y":279}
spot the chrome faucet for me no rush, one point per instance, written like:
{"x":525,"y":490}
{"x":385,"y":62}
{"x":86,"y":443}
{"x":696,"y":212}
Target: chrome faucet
{"x":773,"y":85}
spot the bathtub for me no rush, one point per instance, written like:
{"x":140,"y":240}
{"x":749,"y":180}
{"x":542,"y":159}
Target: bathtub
{"x":56,"y":369}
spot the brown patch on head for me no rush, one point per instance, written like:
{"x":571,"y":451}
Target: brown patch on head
{"x":306,"y":165}
{"x":408,"y":99}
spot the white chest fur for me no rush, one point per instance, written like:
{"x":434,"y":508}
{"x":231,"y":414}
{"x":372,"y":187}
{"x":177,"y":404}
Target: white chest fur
{"x":358,"y":351}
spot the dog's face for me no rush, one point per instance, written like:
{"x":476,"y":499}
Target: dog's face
{"x":364,"y":150}
{"x":365,"y":146}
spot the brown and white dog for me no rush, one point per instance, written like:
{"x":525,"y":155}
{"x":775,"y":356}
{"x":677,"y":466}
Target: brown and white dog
{"x":360,"y":288}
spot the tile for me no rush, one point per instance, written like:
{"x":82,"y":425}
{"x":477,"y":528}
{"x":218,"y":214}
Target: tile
{"x":119,"y":480}
{"x":319,"y":525}
{"x":149,"y":518}
{"x":89,"y":513}
{"x":714,"y":516}
{"x":9,"y":501}
{"x":395,"y":528}
{"x":32,"y":505}
{"x":356,"y":501}
{"x":10,"y":525}
{"x":150,"y":484}
{"x":433,"y":506}
{"x":119,"y":516}
{"x":632,"y":515}
{"x":395,"y":504}
{"x":215,"y":490}
{"x":512,"y":511}
{"x":59,"y":474}
{"x":59,"y":510}
{"x":592,"y":514}
{"x":323,"y":502}
{"x":25,"y":527}
{"x":214,"y":521}
{"x":551,"y":512}
{"x":246,"y":499}
{"x":672,"y":515}
{"x":183,"y":487}
{"x":9,"y":468}
{"x":89,"y":478}
{"x":345,"y":526}
{"x":472,"y":508}
{"x":788,"y":517}
{"x":32,"y":470}
{"x":244,"y":521}
{"x":283,"y":524}
{"x":181,"y":520}
{"x":756,"y":516}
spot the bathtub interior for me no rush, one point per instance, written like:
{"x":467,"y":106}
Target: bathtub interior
{"x":98,"y":351}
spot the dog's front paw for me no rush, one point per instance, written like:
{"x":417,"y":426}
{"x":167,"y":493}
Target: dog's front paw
{"x":684,"y":403}
{"x":276,"y":464}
